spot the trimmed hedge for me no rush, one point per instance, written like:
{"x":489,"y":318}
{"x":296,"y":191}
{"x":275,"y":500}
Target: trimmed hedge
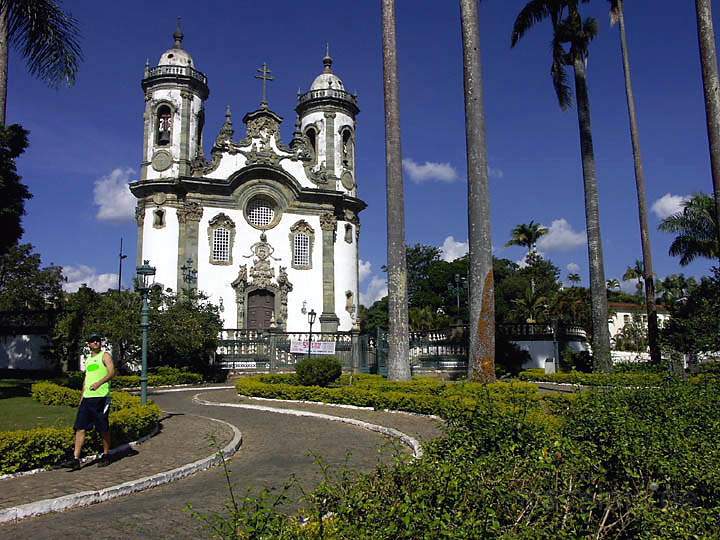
{"x":424,"y":396}
{"x":625,"y":378}
{"x":44,"y":447}
{"x":163,"y":376}
{"x":318,"y":370}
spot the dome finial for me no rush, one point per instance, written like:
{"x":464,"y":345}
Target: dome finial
{"x":178,"y":35}
{"x":327,"y":61}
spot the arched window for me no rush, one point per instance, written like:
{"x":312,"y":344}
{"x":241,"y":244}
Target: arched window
{"x":311,"y":134}
{"x":159,"y":218}
{"x":221,"y":236}
{"x":302,"y":238}
{"x":163,"y":129}
{"x":348,"y":233}
{"x":348,"y":148}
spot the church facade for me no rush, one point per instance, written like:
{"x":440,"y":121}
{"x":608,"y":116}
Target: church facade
{"x":270,"y":229}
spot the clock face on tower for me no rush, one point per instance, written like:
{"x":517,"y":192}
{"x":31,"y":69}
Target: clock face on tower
{"x":162,"y":160}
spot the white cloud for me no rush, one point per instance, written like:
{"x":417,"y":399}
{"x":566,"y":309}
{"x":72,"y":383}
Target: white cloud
{"x":629,"y":286}
{"x":82,"y":274}
{"x":668,"y":204}
{"x":495,"y":173}
{"x":561,"y":237}
{"x":113,"y":196}
{"x":429,"y":171}
{"x":365,"y":268}
{"x":452,"y":249}
{"x":376,"y":289}
{"x":573,"y":268}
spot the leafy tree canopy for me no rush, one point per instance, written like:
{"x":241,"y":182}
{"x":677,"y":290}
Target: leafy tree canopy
{"x":13,"y":193}
{"x":25,"y":284}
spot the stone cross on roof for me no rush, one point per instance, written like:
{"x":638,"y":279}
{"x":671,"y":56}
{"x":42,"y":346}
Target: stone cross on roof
{"x":265,"y":77}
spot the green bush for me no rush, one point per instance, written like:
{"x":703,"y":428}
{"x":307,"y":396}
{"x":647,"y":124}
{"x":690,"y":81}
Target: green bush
{"x":44,"y":447}
{"x":318,"y":370}
{"x":160,"y":376}
{"x":637,"y":378}
{"x":621,"y":463}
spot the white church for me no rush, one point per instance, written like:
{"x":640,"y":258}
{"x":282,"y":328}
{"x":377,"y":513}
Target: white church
{"x":271,"y":229}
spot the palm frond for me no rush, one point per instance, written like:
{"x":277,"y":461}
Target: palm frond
{"x":614,"y":12}
{"x":559,"y":76}
{"x":534,"y":12}
{"x":47,"y":37}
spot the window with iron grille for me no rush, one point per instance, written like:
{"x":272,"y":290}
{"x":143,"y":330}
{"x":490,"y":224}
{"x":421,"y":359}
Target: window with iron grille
{"x":261,"y":212}
{"x":221,"y":245}
{"x":301,"y":250}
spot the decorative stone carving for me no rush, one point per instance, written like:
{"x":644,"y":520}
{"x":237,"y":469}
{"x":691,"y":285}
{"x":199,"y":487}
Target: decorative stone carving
{"x":285,"y":287}
{"x":349,"y":304}
{"x":262,"y":153}
{"x":263,"y":127}
{"x":140,"y":214}
{"x":190,"y":211}
{"x":226,"y":131}
{"x":262,"y":272}
{"x":162,"y":160}
{"x":328,"y":221}
{"x":347,"y":180}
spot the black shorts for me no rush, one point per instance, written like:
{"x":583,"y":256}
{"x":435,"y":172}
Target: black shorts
{"x":93,"y":413}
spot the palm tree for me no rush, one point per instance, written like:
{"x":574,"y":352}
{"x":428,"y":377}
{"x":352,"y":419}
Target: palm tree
{"x":696,"y":227}
{"x":617,"y":14}
{"x":637,"y":271}
{"x":571,"y":38}
{"x":527,"y":235}
{"x":45,"y":36}
{"x":398,"y":332}
{"x":612,"y":284}
{"x":711,"y":86}
{"x":481,"y":345}
{"x":530,"y":306}
{"x":574,"y":279}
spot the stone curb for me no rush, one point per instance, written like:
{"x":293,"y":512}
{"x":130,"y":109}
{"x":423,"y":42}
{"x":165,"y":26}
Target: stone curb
{"x":409,"y":441}
{"x":85,"y":498}
{"x":342,"y":406}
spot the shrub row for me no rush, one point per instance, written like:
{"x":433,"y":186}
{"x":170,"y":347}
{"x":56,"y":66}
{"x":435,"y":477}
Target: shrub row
{"x":372,"y":391}
{"x":163,"y":376}
{"x":23,"y":450}
{"x":625,"y":378}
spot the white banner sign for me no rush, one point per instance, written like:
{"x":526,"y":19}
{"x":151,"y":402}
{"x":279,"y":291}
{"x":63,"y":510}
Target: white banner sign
{"x":316,"y":347}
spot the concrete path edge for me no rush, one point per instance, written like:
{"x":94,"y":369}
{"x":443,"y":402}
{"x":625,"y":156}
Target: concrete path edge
{"x":85,"y":498}
{"x":406,"y":439}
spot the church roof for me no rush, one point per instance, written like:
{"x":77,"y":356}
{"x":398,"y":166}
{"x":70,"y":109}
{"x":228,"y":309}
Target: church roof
{"x":176,"y":56}
{"x":327,"y":79}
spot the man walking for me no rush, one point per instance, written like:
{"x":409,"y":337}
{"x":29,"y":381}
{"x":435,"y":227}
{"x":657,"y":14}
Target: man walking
{"x":95,"y":404}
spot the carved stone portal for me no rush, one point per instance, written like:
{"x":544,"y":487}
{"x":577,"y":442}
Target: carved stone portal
{"x":261,"y":276}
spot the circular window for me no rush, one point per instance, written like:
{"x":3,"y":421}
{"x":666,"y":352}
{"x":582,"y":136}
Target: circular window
{"x":261,"y":212}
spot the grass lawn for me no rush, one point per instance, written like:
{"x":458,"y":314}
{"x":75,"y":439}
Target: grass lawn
{"x":26,"y":413}
{"x":20,"y":411}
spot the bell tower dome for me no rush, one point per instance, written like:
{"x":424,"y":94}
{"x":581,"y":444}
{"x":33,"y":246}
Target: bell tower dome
{"x":327,"y":114}
{"x":175,"y":93}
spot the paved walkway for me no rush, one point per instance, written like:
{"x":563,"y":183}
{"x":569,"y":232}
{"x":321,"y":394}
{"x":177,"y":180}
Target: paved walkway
{"x":274,"y":447}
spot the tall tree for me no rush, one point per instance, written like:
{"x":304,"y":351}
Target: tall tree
{"x":617,"y":14}
{"x":636,"y":271}
{"x":527,"y":235}
{"x":574,"y":278}
{"x":711,"y":86}
{"x":571,"y":38}
{"x":481,"y":357}
{"x":696,"y":227}
{"x":46,"y":36}
{"x":398,"y":332}
{"x":13,"y":193}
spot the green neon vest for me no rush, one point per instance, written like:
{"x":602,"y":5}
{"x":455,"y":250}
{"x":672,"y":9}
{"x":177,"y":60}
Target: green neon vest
{"x":94,"y":371}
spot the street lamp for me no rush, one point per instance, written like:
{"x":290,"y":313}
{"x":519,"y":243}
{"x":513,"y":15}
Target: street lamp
{"x":311,"y":320}
{"x":144,"y":281}
{"x":457,"y":288}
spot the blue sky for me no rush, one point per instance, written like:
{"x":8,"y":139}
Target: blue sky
{"x":86,"y":140}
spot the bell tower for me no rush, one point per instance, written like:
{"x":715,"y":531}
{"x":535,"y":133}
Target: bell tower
{"x":327,"y":115}
{"x":175,"y":93}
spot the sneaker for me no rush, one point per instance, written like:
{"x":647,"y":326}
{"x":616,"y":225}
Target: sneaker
{"x":72,"y":464}
{"x":105,"y":460}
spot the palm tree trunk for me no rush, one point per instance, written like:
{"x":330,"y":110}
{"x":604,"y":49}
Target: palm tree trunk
{"x":481,"y":346}
{"x":4,"y":52}
{"x":711,"y":85}
{"x":648,"y":276}
{"x":598,"y":294}
{"x":398,"y":335}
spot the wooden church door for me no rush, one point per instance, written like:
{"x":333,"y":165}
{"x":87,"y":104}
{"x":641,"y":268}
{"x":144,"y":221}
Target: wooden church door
{"x":261,"y":304}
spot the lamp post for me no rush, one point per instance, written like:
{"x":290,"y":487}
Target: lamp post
{"x":311,"y":320}
{"x":459,"y":286}
{"x":144,"y":282}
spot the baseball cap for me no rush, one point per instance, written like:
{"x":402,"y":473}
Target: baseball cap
{"x":94,"y":337}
